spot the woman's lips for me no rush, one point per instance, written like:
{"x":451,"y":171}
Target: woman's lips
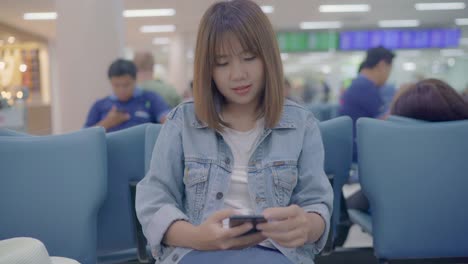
{"x":242,"y":90}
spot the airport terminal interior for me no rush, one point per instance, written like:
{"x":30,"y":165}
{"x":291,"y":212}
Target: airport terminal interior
{"x":90,"y":93}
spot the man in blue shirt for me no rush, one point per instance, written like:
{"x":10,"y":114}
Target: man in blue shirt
{"x":362,"y":98}
{"x":128,"y":105}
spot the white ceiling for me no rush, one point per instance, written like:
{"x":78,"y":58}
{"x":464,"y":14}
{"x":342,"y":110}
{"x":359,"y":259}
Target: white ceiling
{"x":287,"y":15}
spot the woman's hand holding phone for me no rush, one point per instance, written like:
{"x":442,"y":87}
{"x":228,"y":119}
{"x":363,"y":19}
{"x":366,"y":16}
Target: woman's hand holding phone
{"x":291,"y":226}
{"x":211,"y":235}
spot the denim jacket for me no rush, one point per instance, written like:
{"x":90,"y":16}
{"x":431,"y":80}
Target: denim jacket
{"x":191,"y":167}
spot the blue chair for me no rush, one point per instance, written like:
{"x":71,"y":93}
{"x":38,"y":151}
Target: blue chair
{"x":151,"y":135}
{"x":323,"y":111}
{"x":116,"y":224}
{"x":415,"y":177}
{"x":361,"y":218}
{"x":51,"y":189}
{"x":337,"y":137}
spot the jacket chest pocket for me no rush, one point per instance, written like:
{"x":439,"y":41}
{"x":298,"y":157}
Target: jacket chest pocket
{"x":196,"y":185}
{"x":284,"y":182}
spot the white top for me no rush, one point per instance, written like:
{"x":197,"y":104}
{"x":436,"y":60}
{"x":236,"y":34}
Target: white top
{"x":242,"y":146}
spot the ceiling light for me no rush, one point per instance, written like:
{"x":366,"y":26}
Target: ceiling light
{"x":343,"y":8}
{"x":398,"y":23}
{"x":158,"y":28}
{"x":11,"y":39}
{"x":439,"y":6}
{"x":461,"y":21}
{"x":40,"y":16}
{"x":161,"y":41}
{"x":149,"y":12}
{"x":268,"y":9}
{"x":320,"y":25}
{"x":409,"y":66}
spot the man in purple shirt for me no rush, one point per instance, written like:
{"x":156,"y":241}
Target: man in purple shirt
{"x":128,"y":105}
{"x":362,"y":98}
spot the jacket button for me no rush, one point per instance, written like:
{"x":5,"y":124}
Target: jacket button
{"x":228,"y":160}
{"x":175,"y":257}
{"x":219,"y":195}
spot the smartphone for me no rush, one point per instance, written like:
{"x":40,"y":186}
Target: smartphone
{"x":237,"y":220}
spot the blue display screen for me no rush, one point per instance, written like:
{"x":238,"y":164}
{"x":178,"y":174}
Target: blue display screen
{"x":399,"y":39}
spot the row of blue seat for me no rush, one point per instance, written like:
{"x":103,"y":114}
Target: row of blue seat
{"x":323,"y":111}
{"x":64,"y":172}
{"x":72,"y":191}
{"x":53,"y":186}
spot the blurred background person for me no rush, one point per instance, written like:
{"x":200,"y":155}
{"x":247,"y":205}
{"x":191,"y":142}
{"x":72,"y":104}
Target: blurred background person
{"x":128,"y":105}
{"x":430,"y":100}
{"x":362,"y":98}
{"x":144,"y":62}
{"x":288,"y":92}
{"x":326,"y":92}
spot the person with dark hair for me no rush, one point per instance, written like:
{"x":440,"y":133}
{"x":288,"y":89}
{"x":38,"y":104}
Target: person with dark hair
{"x":362,"y":98}
{"x":431,"y":100}
{"x":128,"y":105}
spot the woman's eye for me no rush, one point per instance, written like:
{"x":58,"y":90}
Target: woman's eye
{"x":250,"y":58}
{"x":220,"y":64}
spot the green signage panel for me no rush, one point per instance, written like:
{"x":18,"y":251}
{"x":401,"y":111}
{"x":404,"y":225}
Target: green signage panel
{"x":307,"y":41}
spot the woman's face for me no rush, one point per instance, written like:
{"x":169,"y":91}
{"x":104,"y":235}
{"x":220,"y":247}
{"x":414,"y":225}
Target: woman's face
{"x":238,"y":74}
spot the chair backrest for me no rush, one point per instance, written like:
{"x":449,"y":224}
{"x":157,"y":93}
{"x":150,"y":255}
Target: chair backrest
{"x":404,"y":120}
{"x":125,"y":158}
{"x":152,"y":133}
{"x":415,"y":177}
{"x":51,"y":189}
{"x":337,"y":137}
{"x":323,"y":111}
